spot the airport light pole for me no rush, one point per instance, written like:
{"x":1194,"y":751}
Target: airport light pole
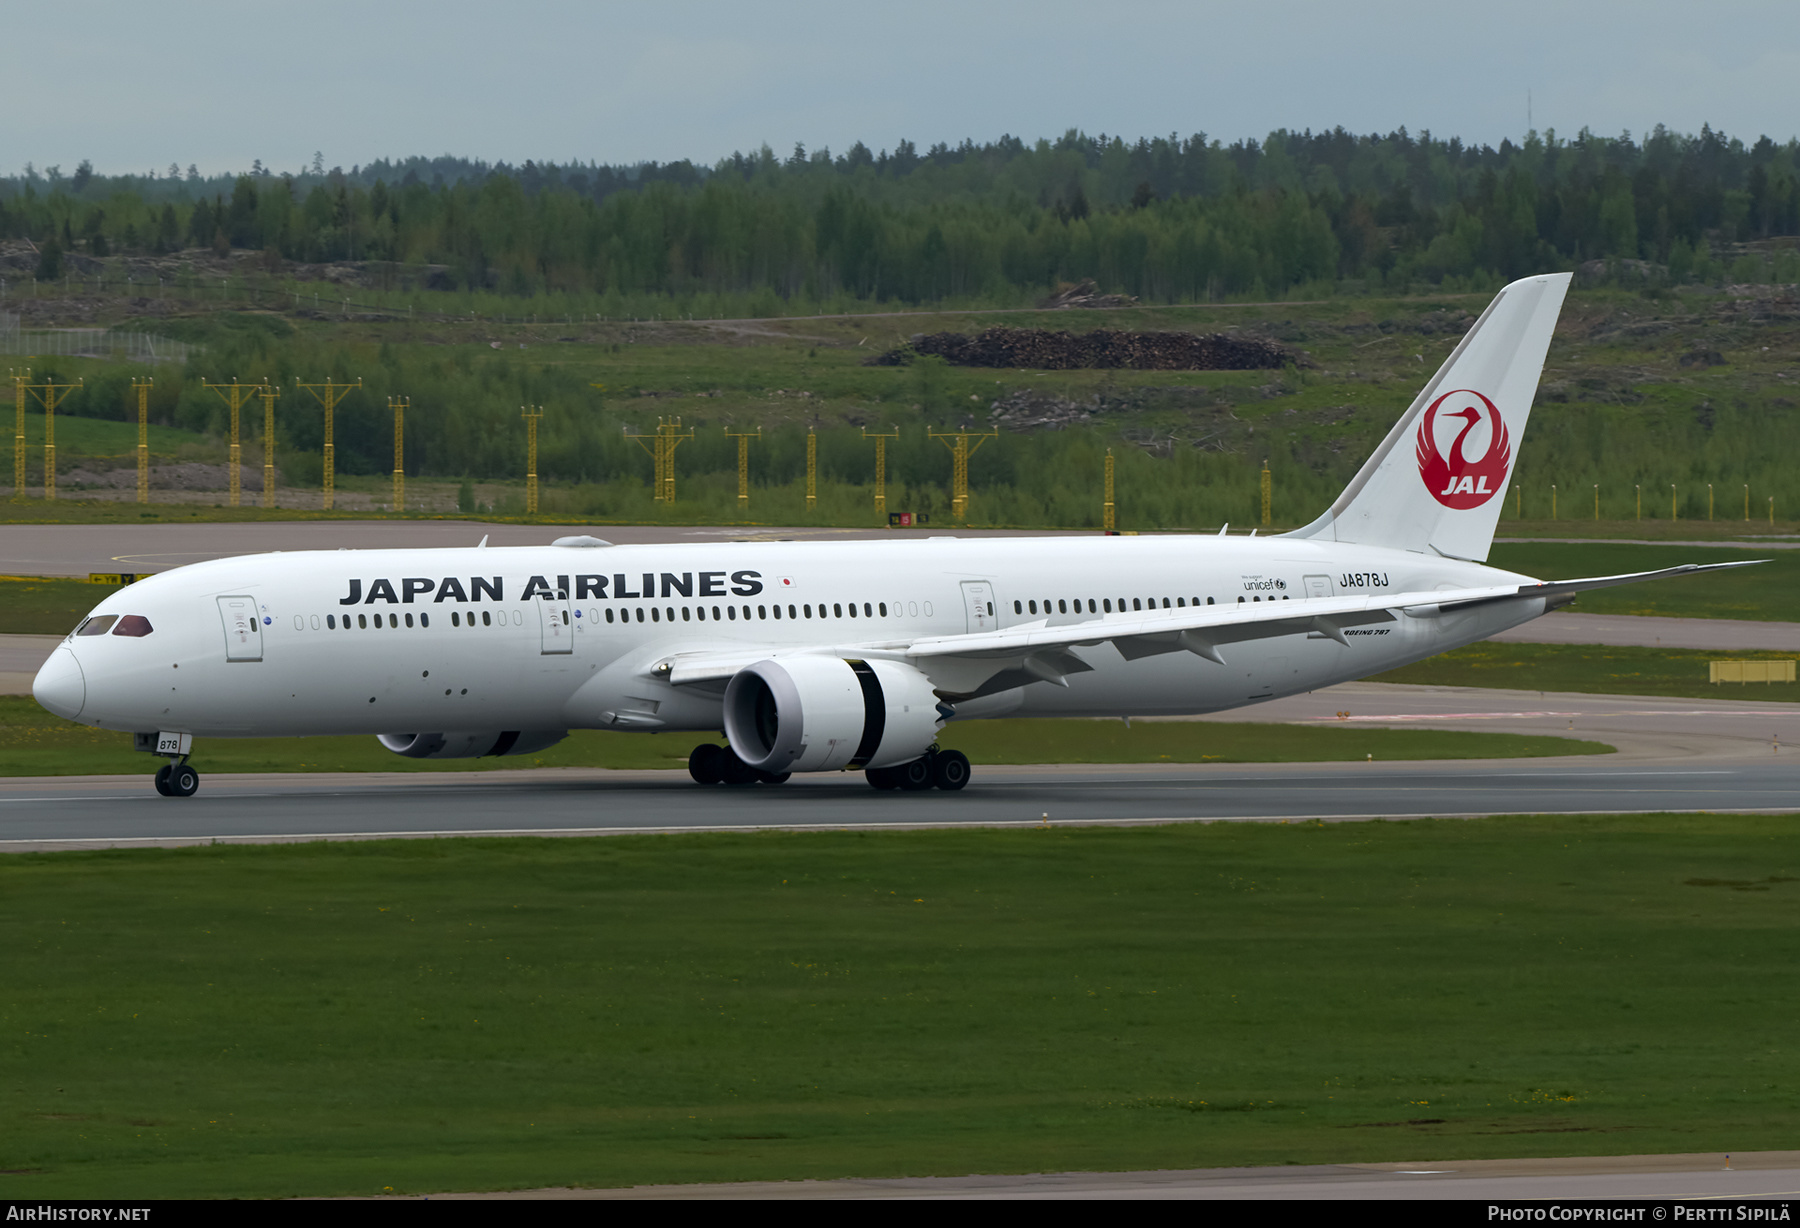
{"x":399,"y":406}
{"x":235,"y":395}
{"x":142,"y":387}
{"x":881,"y":439}
{"x":330,"y":395}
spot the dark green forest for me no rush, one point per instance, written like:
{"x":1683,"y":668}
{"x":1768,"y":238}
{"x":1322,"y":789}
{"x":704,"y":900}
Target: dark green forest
{"x":1167,"y":219}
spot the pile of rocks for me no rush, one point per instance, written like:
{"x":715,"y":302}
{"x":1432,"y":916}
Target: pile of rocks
{"x":181,"y":475}
{"x":1026,"y":410}
{"x":1041,"y":349}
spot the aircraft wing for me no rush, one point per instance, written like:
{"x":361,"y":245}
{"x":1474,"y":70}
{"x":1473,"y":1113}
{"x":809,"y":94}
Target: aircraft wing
{"x":1042,"y":650}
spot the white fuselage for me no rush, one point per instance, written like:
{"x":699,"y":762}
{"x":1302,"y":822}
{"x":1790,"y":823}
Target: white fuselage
{"x":413,"y":640}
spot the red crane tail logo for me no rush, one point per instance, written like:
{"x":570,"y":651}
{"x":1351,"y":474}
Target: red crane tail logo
{"x":1454,"y":479}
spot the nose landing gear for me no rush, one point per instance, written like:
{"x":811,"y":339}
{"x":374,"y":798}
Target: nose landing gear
{"x":176,"y":779}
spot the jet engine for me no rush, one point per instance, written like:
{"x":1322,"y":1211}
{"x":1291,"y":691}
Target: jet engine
{"x":470,"y":745}
{"x":819,"y":714}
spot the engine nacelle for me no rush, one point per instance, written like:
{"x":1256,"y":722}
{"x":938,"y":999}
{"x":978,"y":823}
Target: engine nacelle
{"x":470,"y":745}
{"x":819,"y":714}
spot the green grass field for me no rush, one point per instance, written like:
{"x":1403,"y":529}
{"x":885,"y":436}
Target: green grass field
{"x":489,"y":1014}
{"x":1622,"y":429}
{"x":1591,"y":669}
{"x":82,"y":436}
{"x":35,"y":743}
{"x":47,"y":607}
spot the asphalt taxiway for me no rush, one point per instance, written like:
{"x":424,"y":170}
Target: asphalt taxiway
{"x":40,"y":814}
{"x":1771,"y":1176}
{"x":1726,"y":755}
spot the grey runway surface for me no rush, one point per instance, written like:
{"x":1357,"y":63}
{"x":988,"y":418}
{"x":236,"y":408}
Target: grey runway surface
{"x":1645,"y":729}
{"x":74,"y":812}
{"x":1770,"y":1175}
{"x":1640,"y":631}
{"x":1673,"y":755}
{"x":21,"y":656}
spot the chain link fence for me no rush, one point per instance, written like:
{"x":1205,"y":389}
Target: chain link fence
{"x":119,"y":344}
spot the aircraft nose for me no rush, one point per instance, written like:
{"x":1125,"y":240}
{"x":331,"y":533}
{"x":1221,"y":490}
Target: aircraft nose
{"x":59,"y":685}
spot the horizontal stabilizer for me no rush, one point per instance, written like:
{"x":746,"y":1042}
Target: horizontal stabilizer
{"x":1558,"y":591}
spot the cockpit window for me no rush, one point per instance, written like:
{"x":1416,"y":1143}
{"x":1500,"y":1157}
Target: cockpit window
{"x":98,"y":626}
{"x":133,"y":624}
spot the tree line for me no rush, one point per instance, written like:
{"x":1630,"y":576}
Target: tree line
{"x":1167,"y":219}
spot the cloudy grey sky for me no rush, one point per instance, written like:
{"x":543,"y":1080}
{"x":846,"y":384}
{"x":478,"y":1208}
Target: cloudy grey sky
{"x":138,"y":86}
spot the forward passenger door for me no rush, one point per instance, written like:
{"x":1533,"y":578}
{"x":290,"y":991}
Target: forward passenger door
{"x":243,"y":629}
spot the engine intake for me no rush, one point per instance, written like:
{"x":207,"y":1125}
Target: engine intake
{"x":820,"y":714}
{"x":470,"y":745}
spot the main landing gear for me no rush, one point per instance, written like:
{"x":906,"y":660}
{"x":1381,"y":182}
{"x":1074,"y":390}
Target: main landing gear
{"x":715,"y":765}
{"x":935,"y":769}
{"x":176,"y":779}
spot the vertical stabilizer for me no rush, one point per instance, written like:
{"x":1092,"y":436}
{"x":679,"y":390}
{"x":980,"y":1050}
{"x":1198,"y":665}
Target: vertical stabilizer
{"x":1439,"y":479}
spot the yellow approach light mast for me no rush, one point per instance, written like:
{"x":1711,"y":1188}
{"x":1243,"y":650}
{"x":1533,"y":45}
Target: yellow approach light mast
{"x":666,"y":438}
{"x":655,"y":449}
{"x":142,"y":387}
{"x":960,"y":451}
{"x":330,"y":395}
{"x":400,"y":405}
{"x":235,"y":395}
{"x":531,"y":414}
{"x":49,"y":396}
{"x":744,"y":439}
{"x":269,"y":393}
{"x":881,"y":439}
{"x":19,"y":382}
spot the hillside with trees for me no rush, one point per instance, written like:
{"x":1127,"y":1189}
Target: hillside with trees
{"x":1165,"y":219}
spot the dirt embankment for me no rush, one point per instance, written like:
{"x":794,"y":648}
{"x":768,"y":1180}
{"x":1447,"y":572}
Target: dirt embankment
{"x":1043,"y":349}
